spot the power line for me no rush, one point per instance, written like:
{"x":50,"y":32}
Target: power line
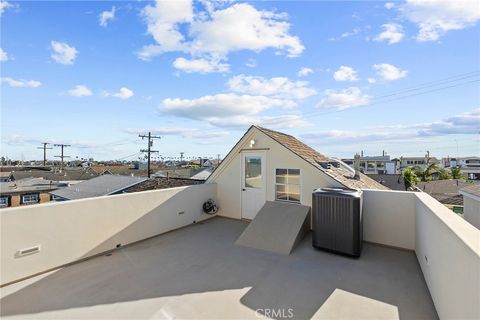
{"x":319,"y":113}
{"x":62,"y":156}
{"x":44,"y":147}
{"x":149,"y":150}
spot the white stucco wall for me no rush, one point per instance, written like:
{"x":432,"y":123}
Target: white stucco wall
{"x":389,"y":218}
{"x":471,"y":210}
{"x":72,"y":230}
{"x":447,"y":247}
{"x":448,"y":250}
{"x":277,"y":156}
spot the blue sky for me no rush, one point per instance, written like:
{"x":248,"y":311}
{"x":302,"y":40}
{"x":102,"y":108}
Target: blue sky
{"x":342,"y":76}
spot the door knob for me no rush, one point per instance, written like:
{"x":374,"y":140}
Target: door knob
{"x":244,"y":189}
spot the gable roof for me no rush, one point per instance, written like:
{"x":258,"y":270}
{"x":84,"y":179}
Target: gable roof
{"x":315,"y":158}
{"x":342,"y":175}
{"x":99,"y":186}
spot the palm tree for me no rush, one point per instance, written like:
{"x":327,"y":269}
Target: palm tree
{"x":425,"y":174}
{"x":456,"y":174}
{"x":409,"y":178}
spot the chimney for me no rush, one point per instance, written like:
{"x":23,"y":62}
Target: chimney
{"x":356,"y":166}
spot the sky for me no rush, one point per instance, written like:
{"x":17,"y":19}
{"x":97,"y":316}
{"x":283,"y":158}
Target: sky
{"x":400,"y":77}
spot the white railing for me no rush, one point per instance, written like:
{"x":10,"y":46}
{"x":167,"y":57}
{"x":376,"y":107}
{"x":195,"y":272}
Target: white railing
{"x":447,"y":247}
{"x":57,"y":233}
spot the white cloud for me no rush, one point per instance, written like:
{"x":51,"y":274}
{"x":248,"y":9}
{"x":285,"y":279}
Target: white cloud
{"x":389,"y":5}
{"x":344,"y":99}
{"x":106,"y":16}
{"x":179,"y":131}
{"x":200,"y":65}
{"x":63,"y":53}
{"x":389,"y":72}
{"x":273,"y":122}
{"x":20,"y":83}
{"x":251,"y":63}
{"x":435,"y":18}
{"x":162,"y":21}
{"x":221,"y":105}
{"x":214,"y":33}
{"x":465,"y":123}
{"x":124,"y":93}
{"x":3,"y":55}
{"x":347,"y":34}
{"x":278,"y":87}
{"x":303,"y":72}
{"x":4,"y":5}
{"x":372,"y":80}
{"x":345,"y":73}
{"x":392,"y":32}
{"x":242,"y":27}
{"x":80,"y":91}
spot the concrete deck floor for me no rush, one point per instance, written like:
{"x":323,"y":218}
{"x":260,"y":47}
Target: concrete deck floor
{"x":198,"y":273}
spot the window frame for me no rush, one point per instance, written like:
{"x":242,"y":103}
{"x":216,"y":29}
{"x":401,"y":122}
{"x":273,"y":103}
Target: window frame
{"x":30,"y":202}
{"x":8,"y":204}
{"x":300,"y":185}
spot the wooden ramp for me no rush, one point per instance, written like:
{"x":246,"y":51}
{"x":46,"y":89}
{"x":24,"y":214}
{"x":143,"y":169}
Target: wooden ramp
{"x":278,"y":227}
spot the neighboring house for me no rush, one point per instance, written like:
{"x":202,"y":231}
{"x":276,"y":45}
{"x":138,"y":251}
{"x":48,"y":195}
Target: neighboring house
{"x":446,"y":192}
{"x":104,"y":185}
{"x":377,"y":164}
{"x":207,"y":163}
{"x":422,"y":162}
{"x":469,"y":166}
{"x":27,"y":191}
{"x":6,"y":177}
{"x":471,"y":204}
{"x":267,"y":165}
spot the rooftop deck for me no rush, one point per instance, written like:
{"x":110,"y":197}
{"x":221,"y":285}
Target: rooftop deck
{"x":198,"y":272}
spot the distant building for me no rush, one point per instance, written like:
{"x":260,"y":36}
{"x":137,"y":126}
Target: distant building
{"x":103,"y":185}
{"x":377,"y":164}
{"x":422,"y":162}
{"x":471,"y":203}
{"x":469,"y":166}
{"x":27,"y":191}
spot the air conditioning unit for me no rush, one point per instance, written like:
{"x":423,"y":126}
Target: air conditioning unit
{"x":337,"y":220}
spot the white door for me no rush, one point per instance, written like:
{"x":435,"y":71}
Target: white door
{"x":253,"y":183}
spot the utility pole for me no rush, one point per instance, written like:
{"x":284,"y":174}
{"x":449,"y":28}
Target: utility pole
{"x":45,"y":144}
{"x":149,"y":151}
{"x":61,"y":156}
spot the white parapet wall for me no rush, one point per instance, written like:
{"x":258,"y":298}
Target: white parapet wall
{"x":448,"y":250}
{"x":57,"y":233}
{"x":389,"y":218}
{"x":447,"y":247}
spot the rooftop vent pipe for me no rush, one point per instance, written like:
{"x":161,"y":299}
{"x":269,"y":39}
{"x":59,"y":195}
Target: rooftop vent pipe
{"x":356,"y":166}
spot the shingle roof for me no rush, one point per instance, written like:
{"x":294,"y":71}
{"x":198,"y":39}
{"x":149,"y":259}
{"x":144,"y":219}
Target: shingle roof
{"x":474,"y":189}
{"x":99,"y":186}
{"x":315,"y":158}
